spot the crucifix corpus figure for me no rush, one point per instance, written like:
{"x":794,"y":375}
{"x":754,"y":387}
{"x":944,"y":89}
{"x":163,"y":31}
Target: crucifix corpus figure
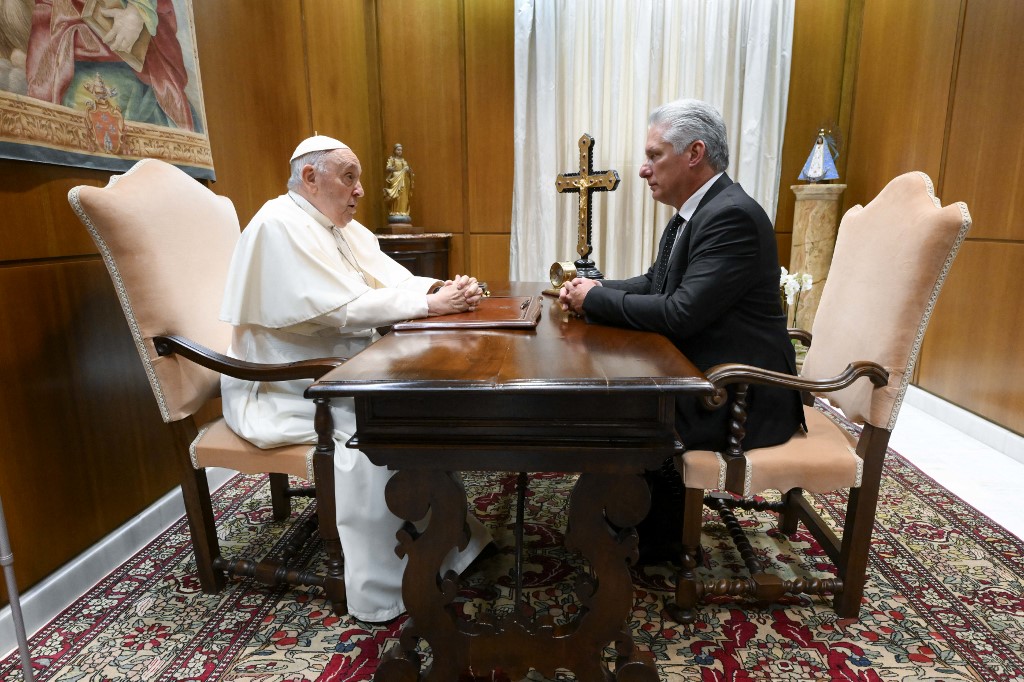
{"x":584,"y":183}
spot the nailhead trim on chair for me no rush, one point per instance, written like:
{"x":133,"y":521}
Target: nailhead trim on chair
{"x":919,"y":338}
{"x":122,"y":294}
{"x":309,"y":464}
{"x":748,"y":475}
{"x":722,"y":468}
{"x":193,"y":454}
{"x":860,"y":468}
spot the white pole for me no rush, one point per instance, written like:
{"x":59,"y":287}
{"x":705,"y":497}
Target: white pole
{"x":7,"y":561}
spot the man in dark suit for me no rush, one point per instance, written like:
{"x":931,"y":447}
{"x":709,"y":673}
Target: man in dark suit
{"x":713,"y":290}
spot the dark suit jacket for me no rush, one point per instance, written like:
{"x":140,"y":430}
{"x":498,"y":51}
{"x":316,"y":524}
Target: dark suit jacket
{"x":721,"y":304}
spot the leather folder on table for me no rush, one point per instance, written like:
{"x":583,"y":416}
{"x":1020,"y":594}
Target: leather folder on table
{"x":493,"y":312}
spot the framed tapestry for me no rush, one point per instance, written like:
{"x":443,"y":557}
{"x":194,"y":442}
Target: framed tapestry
{"x":102,"y":84}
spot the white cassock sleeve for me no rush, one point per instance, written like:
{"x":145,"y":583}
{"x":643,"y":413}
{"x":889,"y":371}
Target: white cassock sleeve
{"x":288,"y":269}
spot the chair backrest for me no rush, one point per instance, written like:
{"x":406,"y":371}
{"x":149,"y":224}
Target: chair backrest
{"x":890,"y":261}
{"x":167,"y":243}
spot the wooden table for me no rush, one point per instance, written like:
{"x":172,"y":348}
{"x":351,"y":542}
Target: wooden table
{"x":565,"y":397}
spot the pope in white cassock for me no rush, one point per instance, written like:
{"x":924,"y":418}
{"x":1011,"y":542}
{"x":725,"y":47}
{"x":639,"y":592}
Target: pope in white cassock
{"x":308,"y":281}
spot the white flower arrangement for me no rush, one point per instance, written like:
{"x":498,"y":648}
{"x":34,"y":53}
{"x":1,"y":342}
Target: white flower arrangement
{"x":791,"y":285}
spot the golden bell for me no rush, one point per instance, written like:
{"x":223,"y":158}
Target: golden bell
{"x":561,"y":273}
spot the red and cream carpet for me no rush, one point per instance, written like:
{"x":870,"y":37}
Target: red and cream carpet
{"x":944,"y":601}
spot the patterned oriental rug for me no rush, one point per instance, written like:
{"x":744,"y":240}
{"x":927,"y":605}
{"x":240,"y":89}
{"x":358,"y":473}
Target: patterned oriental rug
{"x":944,"y":601}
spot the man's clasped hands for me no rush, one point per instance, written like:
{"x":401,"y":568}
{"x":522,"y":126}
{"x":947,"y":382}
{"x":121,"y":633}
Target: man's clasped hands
{"x":459,"y":295}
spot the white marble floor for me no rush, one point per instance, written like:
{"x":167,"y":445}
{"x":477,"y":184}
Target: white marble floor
{"x":981,"y":463}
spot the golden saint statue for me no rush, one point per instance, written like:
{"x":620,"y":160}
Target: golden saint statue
{"x":398,"y":188}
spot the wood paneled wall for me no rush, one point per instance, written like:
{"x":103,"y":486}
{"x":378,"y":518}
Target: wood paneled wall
{"x":446,"y":74}
{"x":82,"y":448}
{"x":971,"y":354}
{"x":253,"y":64}
{"x":69,"y":381}
{"x":903,"y":88}
{"x":344,"y":88}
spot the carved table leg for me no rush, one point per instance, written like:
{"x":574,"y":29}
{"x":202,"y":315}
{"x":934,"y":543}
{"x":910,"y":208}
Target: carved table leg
{"x":410,"y":495}
{"x":517,"y":643}
{"x":597,"y":500}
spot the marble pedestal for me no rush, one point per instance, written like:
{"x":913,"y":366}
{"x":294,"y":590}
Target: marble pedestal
{"x":815,"y":223}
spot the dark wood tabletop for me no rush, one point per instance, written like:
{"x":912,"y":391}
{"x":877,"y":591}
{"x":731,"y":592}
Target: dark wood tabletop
{"x":565,"y":382}
{"x":563,"y":354}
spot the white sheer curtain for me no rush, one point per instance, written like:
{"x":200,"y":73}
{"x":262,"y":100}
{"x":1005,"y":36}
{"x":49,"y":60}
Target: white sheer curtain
{"x":600,"y":67}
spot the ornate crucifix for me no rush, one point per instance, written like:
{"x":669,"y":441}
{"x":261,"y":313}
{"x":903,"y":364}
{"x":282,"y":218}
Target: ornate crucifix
{"x":586,"y":182}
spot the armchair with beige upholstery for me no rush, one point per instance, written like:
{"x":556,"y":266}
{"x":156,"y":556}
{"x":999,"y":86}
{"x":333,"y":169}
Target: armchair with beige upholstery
{"x":890,"y":261}
{"x":167,"y":242}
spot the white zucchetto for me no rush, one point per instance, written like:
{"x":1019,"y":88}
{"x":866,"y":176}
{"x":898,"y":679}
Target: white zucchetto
{"x":317,"y":143}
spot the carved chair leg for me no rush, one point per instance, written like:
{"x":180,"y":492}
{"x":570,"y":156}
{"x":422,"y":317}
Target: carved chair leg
{"x":323,"y":472}
{"x":788,"y":515}
{"x":688,"y":587}
{"x":195,"y":490}
{"x":854,"y":555}
{"x":860,"y":521}
{"x":693,"y":522}
{"x":279,"y":498}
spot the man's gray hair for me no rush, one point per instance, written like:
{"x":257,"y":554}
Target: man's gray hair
{"x":688,"y":120}
{"x":316,"y":159}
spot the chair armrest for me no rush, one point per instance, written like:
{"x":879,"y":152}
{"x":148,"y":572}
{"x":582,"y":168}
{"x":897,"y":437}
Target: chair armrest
{"x":240,"y":369}
{"x":732,"y":373}
{"x":745,"y":375}
{"x":801,"y":335}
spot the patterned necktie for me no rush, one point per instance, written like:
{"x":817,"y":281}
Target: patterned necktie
{"x":661,"y":270}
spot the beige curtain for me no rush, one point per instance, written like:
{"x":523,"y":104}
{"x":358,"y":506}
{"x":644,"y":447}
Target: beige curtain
{"x":600,"y":67}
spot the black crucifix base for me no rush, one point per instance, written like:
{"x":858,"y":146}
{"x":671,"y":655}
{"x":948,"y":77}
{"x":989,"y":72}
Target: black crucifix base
{"x":587,"y":268}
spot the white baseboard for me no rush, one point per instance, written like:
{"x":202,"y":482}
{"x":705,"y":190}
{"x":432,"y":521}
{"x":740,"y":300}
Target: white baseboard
{"x":45,"y":601}
{"x":980,"y":429}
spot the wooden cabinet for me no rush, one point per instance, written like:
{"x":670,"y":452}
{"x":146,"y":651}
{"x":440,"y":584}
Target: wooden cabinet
{"x":424,"y":254}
